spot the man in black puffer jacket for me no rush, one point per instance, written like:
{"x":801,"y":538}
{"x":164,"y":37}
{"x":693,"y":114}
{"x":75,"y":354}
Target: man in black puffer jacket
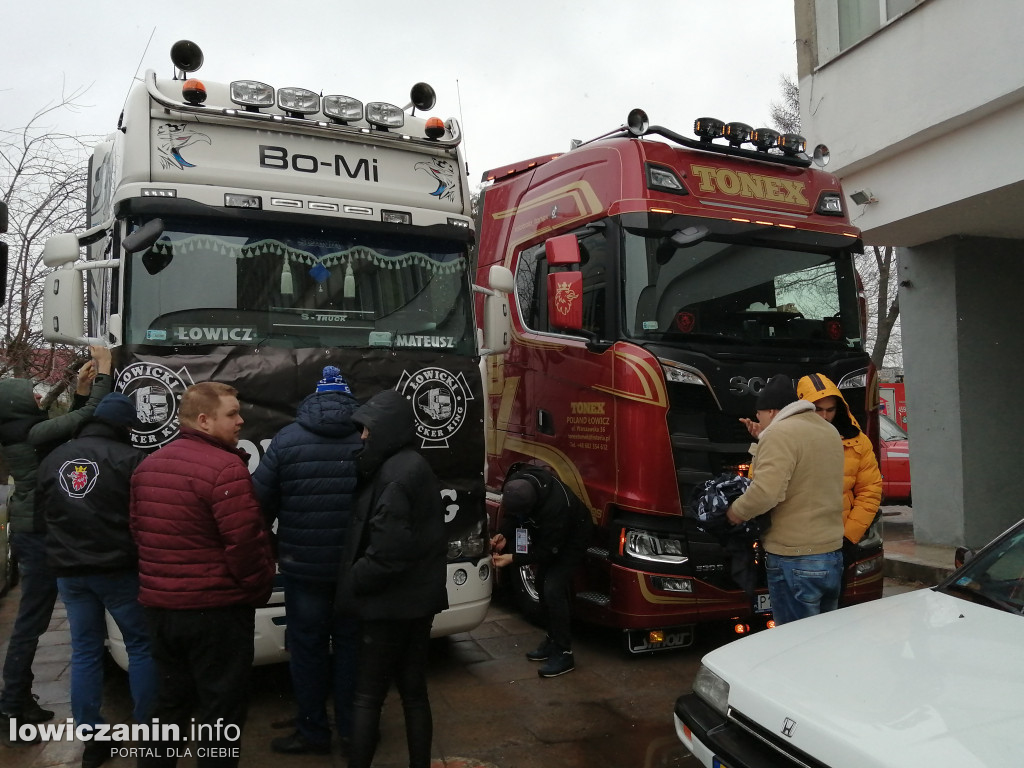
{"x":83,"y":491}
{"x":393,"y":575}
{"x":307,"y":481}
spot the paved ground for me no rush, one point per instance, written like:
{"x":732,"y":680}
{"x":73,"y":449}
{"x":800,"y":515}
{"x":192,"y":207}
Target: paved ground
{"x":490,"y":708}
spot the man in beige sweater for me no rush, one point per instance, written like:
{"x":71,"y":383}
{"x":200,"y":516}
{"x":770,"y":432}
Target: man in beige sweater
{"x":797,"y":475}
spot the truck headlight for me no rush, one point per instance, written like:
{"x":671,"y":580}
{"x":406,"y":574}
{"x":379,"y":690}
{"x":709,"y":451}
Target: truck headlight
{"x":648,"y":545}
{"x":712,"y":689}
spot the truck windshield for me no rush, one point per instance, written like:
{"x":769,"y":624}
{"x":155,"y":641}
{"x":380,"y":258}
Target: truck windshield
{"x":246,"y":282}
{"x":737,"y":289}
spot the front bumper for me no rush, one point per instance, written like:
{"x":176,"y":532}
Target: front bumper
{"x":720,"y":742}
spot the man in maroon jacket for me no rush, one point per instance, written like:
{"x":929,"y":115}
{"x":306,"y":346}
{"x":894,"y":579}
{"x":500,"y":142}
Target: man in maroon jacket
{"x":204,"y":565}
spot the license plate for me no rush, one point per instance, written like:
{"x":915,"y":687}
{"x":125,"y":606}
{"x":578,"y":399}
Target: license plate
{"x":763,"y":603}
{"x":716,"y":763}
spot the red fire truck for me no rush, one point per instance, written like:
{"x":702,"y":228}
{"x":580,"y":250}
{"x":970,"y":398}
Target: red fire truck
{"x":660,"y":280}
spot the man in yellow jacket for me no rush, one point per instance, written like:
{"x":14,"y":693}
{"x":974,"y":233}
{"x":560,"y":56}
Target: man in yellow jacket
{"x":797,"y":475}
{"x":862,"y":480}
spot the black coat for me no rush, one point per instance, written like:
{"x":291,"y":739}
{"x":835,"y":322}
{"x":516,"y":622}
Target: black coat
{"x":394,"y":565}
{"x":83,"y":487}
{"x":560,"y":525}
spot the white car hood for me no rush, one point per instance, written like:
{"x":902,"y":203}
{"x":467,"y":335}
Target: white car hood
{"x":918,"y":679}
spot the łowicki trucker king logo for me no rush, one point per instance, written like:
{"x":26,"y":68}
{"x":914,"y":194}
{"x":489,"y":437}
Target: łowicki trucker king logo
{"x":156,"y":391}
{"x":439,"y":402}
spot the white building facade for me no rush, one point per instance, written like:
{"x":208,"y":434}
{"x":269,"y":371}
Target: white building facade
{"x":921,"y":103}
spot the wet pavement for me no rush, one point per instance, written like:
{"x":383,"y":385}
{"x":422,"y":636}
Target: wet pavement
{"x":490,"y":708}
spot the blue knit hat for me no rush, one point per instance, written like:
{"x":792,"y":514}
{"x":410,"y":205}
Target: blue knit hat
{"x":333,"y":381}
{"x":116,"y":408}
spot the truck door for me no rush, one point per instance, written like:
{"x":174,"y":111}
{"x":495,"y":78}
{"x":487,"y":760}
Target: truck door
{"x":567,"y":407}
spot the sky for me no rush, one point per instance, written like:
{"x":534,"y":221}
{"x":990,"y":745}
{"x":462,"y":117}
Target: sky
{"x":523,"y":78}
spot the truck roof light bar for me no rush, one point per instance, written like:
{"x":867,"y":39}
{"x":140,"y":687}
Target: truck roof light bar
{"x":343,"y":109}
{"x":764,"y":139}
{"x":384,"y":116}
{"x":737,"y":133}
{"x":708,"y":129}
{"x":251,"y":94}
{"x":298,"y":102}
{"x":792,"y":144}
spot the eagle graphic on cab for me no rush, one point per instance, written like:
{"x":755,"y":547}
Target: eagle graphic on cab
{"x":172,"y":139}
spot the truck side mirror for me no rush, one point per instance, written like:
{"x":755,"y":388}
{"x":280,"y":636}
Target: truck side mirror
{"x":64,"y":306}
{"x":60,"y":250}
{"x":562,"y":250}
{"x":497,"y":335}
{"x":565,"y":300}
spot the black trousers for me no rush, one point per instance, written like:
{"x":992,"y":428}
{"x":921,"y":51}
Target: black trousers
{"x":203,"y":659}
{"x":392,"y":650}
{"x":554,"y":586}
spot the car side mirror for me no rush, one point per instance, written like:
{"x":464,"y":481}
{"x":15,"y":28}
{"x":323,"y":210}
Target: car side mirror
{"x":962,"y":556}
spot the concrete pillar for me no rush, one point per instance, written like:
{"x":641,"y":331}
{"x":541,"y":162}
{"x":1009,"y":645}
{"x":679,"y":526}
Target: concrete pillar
{"x":962,"y":315}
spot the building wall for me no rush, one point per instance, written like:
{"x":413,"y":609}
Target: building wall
{"x":921,"y":113}
{"x":925,"y":113}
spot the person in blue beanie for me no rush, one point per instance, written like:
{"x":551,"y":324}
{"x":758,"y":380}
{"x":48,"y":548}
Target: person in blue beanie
{"x":307,"y":482}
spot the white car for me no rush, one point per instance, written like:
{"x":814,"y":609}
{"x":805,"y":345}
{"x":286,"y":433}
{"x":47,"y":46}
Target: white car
{"x":925,"y":679}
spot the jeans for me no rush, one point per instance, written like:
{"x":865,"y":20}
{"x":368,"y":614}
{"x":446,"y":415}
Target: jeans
{"x":86,"y":598}
{"x":392,"y":650}
{"x":203,"y":658}
{"x":38,"y":596}
{"x":805,"y":585}
{"x":313,"y":630}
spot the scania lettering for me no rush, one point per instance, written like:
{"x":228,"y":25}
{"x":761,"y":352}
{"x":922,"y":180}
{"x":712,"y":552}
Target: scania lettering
{"x":252,"y":236}
{"x":660,"y":281}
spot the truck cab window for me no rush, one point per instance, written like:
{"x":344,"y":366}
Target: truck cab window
{"x":531,"y":286}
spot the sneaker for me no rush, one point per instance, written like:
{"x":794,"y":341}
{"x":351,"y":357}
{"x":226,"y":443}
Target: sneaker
{"x":96,"y":754}
{"x":297,"y":744}
{"x":558,"y":664}
{"x":542,"y":652}
{"x":31,"y":712}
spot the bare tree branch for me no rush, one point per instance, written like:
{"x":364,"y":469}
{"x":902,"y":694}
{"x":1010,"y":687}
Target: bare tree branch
{"x":43,"y":181}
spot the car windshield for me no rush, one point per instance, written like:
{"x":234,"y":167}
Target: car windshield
{"x":704,"y":282}
{"x":995,"y":577}
{"x":889,"y":429}
{"x":250,"y":282}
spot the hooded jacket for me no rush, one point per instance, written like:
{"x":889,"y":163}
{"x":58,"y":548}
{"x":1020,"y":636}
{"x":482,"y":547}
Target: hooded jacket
{"x":395,"y":561}
{"x":797,"y":475}
{"x":307,"y":481}
{"x":201,"y":538}
{"x":83,"y":491}
{"x":26,"y":434}
{"x":862,"y":480}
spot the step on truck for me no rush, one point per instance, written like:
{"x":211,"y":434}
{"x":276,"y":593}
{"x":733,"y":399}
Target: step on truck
{"x":660,"y":281}
{"x":249,"y":234}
